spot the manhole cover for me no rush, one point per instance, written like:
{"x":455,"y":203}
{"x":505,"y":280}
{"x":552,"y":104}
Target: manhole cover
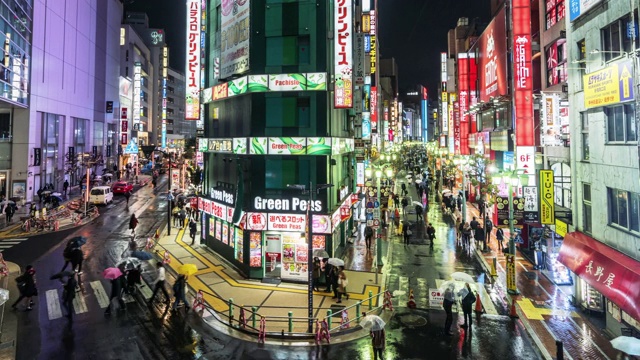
{"x":412,"y":320}
{"x":530,"y":275}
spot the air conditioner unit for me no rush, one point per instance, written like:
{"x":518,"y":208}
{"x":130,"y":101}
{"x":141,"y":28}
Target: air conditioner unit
{"x":565,"y":88}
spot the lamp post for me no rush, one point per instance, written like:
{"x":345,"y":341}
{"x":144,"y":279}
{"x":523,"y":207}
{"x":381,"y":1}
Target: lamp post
{"x":461,"y":162}
{"x":378,"y":174}
{"x":169,"y":195}
{"x":308,"y":233}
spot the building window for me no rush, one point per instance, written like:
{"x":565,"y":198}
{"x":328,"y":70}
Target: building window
{"x":556,"y":62}
{"x":624,"y":209}
{"x":584,"y":120}
{"x":621,"y":124}
{"x":616,"y":40}
{"x":586,"y":208}
{"x":554,"y":12}
{"x":582,"y":58}
{"x":562,"y":184}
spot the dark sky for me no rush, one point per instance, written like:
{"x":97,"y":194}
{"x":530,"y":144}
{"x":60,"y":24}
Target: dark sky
{"x":414,"y":32}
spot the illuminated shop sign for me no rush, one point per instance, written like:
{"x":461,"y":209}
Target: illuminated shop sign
{"x":492,"y":61}
{"x":165,"y":65}
{"x":222,"y":195}
{"x":374,"y":109}
{"x":266,"y":83}
{"x":343,"y":55}
{"x":192,"y":71}
{"x":523,"y":73}
{"x":443,"y":67}
{"x":234,"y":37}
{"x":137,"y":92}
{"x":579,"y":7}
{"x":294,"y":204}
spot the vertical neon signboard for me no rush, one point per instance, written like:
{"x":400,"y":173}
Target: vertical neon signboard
{"x":343,"y":55}
{"x":192,"y":71}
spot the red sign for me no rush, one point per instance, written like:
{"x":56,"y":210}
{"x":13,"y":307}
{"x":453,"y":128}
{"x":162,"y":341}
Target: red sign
{"x":123,"y":113}
{"x":464,"y":96}
{"x":124,"y":126}
{"x":523,"y":73}
{"x":220,"y":91}
{"x":256,"y":221}
{"x":374,"y":109}
{"x":456,"y":127}
{"x":609,"y":271}
{"x":123,"y":139}
{"x":193,"y":202}
{"x":345,"y":213}
{"x":492,"y":61}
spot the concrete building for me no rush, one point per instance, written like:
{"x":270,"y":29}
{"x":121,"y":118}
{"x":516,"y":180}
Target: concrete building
{"x":73,"y":85}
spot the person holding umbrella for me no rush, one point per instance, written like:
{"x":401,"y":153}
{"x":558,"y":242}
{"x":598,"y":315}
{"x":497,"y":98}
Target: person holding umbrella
{"x":376,"y":330}
{"x":116,"y":292}
{"x":159,"y":285}
{"x":179,"y":292}
{"x":447,"y":304}
{"x":467,"y":303}
{"x":316,"y":273}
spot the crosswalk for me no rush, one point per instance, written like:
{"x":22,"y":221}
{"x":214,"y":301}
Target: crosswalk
{"x":9,"y":243}
{"x":85,"y":301}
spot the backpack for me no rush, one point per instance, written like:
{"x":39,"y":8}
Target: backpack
{"x":21,"y":281}
{"x":469,"y":299}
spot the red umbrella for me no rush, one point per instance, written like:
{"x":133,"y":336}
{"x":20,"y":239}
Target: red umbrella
{"x":111,"y":273}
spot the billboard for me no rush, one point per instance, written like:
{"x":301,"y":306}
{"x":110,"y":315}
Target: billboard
{"x":547,"y":205}
{"x":234,"y":37}
{"x":464,"y":89}
{"x":579,"y":7}
{"x":610,"y":85}
{"x":343,"y":55}
{"x":137,"y":93}
{"x":359,"y":60}
{"x":492,"y":60}
{"x":165,"y":65}
{"x":373,"y":100}
{"x":192,"y":70}
{"x":523,"y":73}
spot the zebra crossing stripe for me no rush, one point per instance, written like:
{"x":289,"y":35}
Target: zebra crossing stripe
{"x":100,"y":293}
{"x":53,"y":304}
{"x":145,"y":291}
{"x":79,"y":305}
{"x":403,"y":284}
{"x":128,"y":298}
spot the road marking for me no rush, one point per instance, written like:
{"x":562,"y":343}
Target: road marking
{"x":6,"y":246}
{"x":10,"y":242}
{"x":53,"y":305}
{"x":145,"y":291}
{"x":101,"y":295}
{"x":79,"y":305}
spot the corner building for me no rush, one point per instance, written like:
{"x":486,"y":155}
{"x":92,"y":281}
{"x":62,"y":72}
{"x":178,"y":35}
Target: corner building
{"x":270,"y":121}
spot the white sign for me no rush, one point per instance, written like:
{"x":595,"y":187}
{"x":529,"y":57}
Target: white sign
{"x":256,"y":221}
{"x":286,"y":82}
{"x":286,"y":222}
{"x":436,"y":298}
{"x":366,"y":6}
{"x":526,"y":159}
{"x":343,"y":54}
{"x":137,"y":79}
{"x":192,"y":71}
{"x":222,"y":195}
{"x":234,"y":37}
{"x":358,"y":71}
{"x":443,"y":68}
{"x":530,"y":194}
{"x":294,"y":204}
{"x":360,"y":174}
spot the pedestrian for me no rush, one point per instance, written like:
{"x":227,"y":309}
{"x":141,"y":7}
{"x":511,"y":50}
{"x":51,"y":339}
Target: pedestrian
{"x":133,"y":223}
{"x":179,"y":292}
{"x":474,"y":225}
{"x":27,"y":287}
{"x":368,"y":236}
{"x":378,"y":341}
{"x":467,"y":302}
{"x":396,"y":201}
{"x":193,"y":229}
{"x":489,"y":227}
{"x":342,"y":285}
{"x":431,"y":234}
{"x":116,"y":293}
{"x":404,"y":189}
{"x":447,"y":304}
{"x":316,"y":274}
{"x":72,"y":255}
{"x":335,"y":282}
{"x":406,"y":233}
{"x":466,"y":235}
{"x":404,"y":203}
{"x":39,"y":192}
{"x":419,"y":212}
{"x":328,"y":275}
{"x":127,"y":195}
{"x":500,"y":238}
{"x":159,"y":285}
{"x":396,"y":218}
{"x":479,"y":236}
{"x":68,"y":294}
{"x":65,"y":187}
{"x":8,"y":212}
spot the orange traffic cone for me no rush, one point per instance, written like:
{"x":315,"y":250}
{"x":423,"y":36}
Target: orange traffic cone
{"x":479,"y":308}
{"x":513,"y":314}
{"x":411,"y":304}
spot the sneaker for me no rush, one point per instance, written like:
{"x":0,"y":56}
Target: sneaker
{"x":29,"y":308}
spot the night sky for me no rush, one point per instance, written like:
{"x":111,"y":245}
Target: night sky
{"x":414,"y":32}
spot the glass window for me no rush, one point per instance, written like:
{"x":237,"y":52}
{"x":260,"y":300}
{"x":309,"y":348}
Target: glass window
{"x":280,"y":172}
{"x":554,"y":12}
{"x":621,"y":123}
{"x":616,"y":40}
{"x":562,"y":184}
{"x":584,"y":119}
{"x":586,"y":208}
{"x":624,"y":209}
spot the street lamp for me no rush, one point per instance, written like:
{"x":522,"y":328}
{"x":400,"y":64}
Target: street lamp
{"x":512,"y":179}
{"x":169,"y":195}
{"x":460,"y":163}
{"x":378,"y":174}
{"x":309,"y":234}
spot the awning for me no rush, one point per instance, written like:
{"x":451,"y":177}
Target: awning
{"x":613,"y":274}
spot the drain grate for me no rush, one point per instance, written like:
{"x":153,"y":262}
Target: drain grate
{"x":531,"y":275}
{"x":412,"y":320}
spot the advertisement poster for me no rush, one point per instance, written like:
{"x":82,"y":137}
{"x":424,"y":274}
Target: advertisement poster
{"x":343,"y":58}
{"x":212,"y":227}
{"x":301,"y":253}
{"x":239,"y":242}
{"x":492,"y":61}
{"x":234,"y":37}
{"x":255,"y":246}
{"x":218,"y":234}
{"x":294,"y":257}
{"x":319,"y":242}
{"x":502,"y":203}
{"x":511,"y":273}
{"x":288,"y":252}
{"x":192,"y":68}
{"x":225,"y":233}
{"x":321,"y":224}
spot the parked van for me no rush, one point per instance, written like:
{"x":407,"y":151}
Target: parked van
{"x":101,"y":195}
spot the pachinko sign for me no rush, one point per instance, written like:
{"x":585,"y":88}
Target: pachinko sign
{"x":523,"y":73}
{"x":192,"y":70}
{"x":343,"y":54}
{"x":492,"y":62}
{"x":234,"y":37}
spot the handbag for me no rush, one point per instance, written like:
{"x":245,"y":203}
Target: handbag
{"x":409,"y":232}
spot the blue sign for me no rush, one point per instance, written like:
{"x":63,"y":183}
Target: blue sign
{"x":366,"y":126}
{"x":507,"y":160}
{"x":579,"y":7}
{"x":367,"y":43}
{"x":132,"y":147}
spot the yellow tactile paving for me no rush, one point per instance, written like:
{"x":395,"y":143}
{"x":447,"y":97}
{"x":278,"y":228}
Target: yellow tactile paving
{"x":534,"y":313}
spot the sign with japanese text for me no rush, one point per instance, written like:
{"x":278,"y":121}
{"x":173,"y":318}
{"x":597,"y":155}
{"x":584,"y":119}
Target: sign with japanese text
{"x":436,"y":298}
{"x":137,"y":92}
{"x":610,"y":85}
{"x":234,"y":37}
{"x":511,"y":272}
{"x":502,"y":204}
{"x":547,"y":205}
{"x":456,"y":127}
{"x":579,"y":7}
{"x":530,"y":195}
{"x":192,"y":68}
{"x":464,"y":88}
{"x":256,"y":221}
{"x":359,"y":60}
{"x":445,"y":113}
{"x":343,"y":54}
{"x":492,"y":60}
{"x":526,"y":159}
{"x":374,"y":109}
{"x":523,"y":73}
{"x":443,"y":68}
{"x":286,"y":222}
{"x":561,"y":228}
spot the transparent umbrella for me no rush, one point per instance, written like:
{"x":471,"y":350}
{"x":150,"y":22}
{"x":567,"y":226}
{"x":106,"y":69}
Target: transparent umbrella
{"x":627,"y":344}
{"x":372,"y":322}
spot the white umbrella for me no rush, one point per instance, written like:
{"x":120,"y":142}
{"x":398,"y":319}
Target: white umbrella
{"x":336,"y":262}
{"x":418,"y":181}
{"x":372,"y":322}
{"x":460,"y":276}
{"x":108,"y":175}
{"x":320,"y":253}
{"x":627,"y":344}
{"x":4,"y":296}
{"x":416,"y":203}
{"x":446,"y":191}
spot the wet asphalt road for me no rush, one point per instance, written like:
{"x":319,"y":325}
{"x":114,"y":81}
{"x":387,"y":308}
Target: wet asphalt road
{"x":143,"y":332}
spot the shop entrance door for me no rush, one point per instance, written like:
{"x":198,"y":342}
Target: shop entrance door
{"x":273,"y":256}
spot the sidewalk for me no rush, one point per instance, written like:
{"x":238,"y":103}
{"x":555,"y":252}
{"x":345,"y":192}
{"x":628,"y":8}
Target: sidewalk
{"x":216,"y":276}
{"x":545,"y":309}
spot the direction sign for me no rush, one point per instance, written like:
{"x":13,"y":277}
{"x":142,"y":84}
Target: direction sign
{"x":132,"y":147}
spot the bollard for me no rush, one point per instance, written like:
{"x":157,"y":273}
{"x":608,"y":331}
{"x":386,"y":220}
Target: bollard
{"x":559,"y":350}
{"x":253,"y":316}
{"x":494,"y":266}
{"x":358,"y":312}
{"x":329,"y":313}
{"x":290,"y":321}
{"x":230,"y":310}
{"x":370,"y":300}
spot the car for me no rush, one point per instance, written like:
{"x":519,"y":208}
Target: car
{"x":122,"y":187}
{"x":101,"y":195}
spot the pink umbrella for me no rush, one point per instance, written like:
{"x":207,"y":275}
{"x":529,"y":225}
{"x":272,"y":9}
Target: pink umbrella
{"x":111,"y":273}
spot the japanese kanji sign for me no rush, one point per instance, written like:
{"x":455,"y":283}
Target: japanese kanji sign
{"x":547,"y":206}
{"x":530,"y":194}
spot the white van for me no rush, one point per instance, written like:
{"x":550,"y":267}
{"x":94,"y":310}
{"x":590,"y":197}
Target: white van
{"x":101,"y":195}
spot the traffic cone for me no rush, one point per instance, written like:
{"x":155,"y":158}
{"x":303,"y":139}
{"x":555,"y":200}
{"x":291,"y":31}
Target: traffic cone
{"x":479,"y":308}
{"x":411,"y":304}
{"x":513,"y":314}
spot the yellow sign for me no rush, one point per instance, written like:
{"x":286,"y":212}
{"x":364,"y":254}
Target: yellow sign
{"x":511,"y":273}
{"x":547,"y":206}
{"x":561,"y":228}
{"x":610,"y":85}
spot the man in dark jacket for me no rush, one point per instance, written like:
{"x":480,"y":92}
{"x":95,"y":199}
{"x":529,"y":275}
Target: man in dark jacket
{"x":27,"y":287}
{"x":328,"y":275}
{"x":116,"y":290}
{"x":368,"y":235}
{"x":468,"y":299}
{"x":489,"y":227}
{"x":68,"y":294}
{"x":193,"y":229}
{"x":8,"y":212}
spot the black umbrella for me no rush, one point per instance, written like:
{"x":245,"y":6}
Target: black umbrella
{"x":77,"y":241}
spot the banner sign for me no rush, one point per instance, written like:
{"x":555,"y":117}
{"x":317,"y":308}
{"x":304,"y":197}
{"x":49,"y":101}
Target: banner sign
{"x":492,"y":61}
{"x":192,"y":71}
{"x":547,"y":205}
{"x":502,"y":203}
{"x":511,"y":273}
{"x":343,"y":55}
{"x":37,"y":156}
{"x":265,"y":83}
{"x":530,"y":194}
{"x":610,"y":85}
{"x":523,"y":73}
{"x":234,"y":37}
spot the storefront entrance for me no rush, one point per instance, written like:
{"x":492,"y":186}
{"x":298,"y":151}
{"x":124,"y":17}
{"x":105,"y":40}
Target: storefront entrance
{"x":285,"y":256}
